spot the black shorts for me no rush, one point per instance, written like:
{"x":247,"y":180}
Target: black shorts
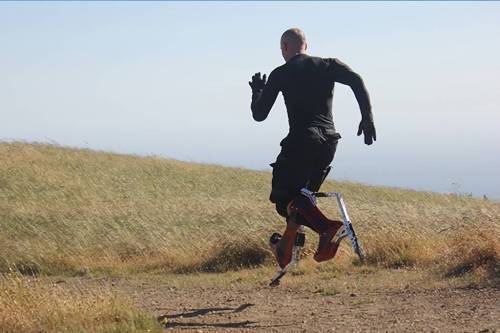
{"x":304,"y":161}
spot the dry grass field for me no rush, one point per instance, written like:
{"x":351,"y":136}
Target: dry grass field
{"x":78,"y":215}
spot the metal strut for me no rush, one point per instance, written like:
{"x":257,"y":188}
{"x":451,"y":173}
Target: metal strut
{"x":348,"y":231}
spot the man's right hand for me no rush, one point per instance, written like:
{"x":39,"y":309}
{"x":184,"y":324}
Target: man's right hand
{"x":367,"y":127}
{"x":257,"y":82}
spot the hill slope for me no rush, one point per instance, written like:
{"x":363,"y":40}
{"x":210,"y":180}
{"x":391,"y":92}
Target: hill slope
{"x":70,"y":211}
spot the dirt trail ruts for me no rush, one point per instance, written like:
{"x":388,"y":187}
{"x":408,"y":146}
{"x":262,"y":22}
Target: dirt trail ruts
{"x":285,"y":310}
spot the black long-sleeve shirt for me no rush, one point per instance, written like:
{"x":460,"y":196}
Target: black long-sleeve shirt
{"x":307,"y":84}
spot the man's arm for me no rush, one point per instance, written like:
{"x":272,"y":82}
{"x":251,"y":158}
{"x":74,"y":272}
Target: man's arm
{"x":263,"y":95}
{"x":341,"y":73}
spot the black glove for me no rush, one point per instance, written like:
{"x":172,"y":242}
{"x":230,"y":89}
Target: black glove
{"x":257,"y":82}
{"x":367,"y":127}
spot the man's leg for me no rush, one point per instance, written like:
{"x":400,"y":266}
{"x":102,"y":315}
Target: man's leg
{"x":288,"y":178}
{"x":321,"y":167}
{"x":303,"y":166}
{"x":302,"y":209}
{"x":282,"y":245}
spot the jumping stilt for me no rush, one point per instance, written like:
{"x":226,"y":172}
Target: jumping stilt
{"x":348,"y":231}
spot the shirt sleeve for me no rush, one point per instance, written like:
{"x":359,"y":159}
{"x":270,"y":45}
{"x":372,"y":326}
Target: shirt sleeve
{"x":340,"y":72}
{"x":263,"y":100}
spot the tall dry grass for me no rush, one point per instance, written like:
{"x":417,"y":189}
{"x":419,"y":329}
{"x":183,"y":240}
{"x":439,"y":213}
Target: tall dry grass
{"x":27,"y":305}
{"x":72,"y":211}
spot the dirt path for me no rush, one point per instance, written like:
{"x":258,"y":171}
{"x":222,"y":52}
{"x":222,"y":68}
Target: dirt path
{"x":247,"y":308}
{"x":284,"y":310}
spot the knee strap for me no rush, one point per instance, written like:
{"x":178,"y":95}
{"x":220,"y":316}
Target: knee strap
{"x":299,"y":219}
{"x":281,"y":208}
{"x":301,"y":208}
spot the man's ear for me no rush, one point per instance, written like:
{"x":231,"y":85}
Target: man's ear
{"x":305,"y":47}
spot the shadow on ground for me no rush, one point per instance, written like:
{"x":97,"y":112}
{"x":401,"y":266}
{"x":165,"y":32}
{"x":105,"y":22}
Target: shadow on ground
{"x":167,"y":322}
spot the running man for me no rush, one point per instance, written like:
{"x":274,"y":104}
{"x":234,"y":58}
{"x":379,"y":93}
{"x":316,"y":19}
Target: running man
{"x":307,"y":84}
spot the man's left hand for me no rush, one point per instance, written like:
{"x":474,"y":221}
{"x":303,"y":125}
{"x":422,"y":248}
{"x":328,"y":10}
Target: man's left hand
{"x":368,"y":129}
{"x":257,"y":82}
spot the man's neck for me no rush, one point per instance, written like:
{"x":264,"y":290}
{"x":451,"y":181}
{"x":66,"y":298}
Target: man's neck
{"x":296,"y":55}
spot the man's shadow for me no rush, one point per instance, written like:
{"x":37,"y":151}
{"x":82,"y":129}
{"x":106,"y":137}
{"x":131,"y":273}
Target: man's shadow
{"x":202,"y":312}
{"x":208,"y":311}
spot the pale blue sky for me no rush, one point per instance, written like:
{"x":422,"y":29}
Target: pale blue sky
{"x":170,"y":79}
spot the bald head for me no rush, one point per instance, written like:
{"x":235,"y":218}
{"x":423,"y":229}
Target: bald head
{"x":293,"y":41}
